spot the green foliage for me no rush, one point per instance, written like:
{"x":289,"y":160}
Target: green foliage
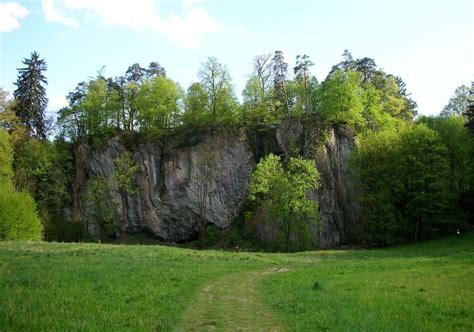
{"x":469,"y":112}
{"x":284,"y":192}
{"x":6,"y":158}
{"x":195,"y":103}
{"x":403,"y":177}
{"x":44,"y":170}
{"x":99,"y":202}
{"x":216,"y":81}
{"x":259,"y":109}
{"x":30,"y":95}
{"x":340,"y":99}
{"x":157,"y":104}
{"x":18,"y":218}
{"x":458,"y":103}
{"x":455,"y":136}
{"x":125,"y":170}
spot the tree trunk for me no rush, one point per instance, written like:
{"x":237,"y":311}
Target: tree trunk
{"x":417,"y":229}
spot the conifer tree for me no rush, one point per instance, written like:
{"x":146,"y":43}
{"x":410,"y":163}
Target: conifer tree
{"x":30,"y":95}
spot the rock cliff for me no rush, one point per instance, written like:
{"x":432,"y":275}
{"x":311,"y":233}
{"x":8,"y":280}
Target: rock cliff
{"x":174,"y":181}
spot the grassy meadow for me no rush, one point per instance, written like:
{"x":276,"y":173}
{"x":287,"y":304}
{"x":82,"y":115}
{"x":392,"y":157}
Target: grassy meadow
{"x":55,"y":286}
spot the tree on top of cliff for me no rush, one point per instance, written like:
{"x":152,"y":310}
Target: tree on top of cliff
{"x":216,"y":81}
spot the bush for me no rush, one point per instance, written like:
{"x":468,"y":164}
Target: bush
{"x":18,"y":218}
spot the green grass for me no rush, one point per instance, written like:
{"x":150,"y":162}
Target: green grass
{"x":52,"y":286}
{"x":429,"y":286}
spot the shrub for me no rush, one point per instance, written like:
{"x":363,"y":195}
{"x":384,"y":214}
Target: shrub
{"x":18,"y":218}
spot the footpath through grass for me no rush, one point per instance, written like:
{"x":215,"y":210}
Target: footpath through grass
{"x":48,"y":286}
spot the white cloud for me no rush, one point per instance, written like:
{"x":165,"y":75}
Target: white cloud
{"x":10,"y":13}
{"x":186,"y":30}
{"x":56,"y":15}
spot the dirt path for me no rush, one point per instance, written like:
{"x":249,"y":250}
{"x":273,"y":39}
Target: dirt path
{"x":232,"y":304}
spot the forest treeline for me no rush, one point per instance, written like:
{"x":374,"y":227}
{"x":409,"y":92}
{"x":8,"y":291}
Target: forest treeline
{"x":414,"y":174}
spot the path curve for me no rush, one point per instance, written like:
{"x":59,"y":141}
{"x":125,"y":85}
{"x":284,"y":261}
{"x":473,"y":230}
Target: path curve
{"x":232,"y":303}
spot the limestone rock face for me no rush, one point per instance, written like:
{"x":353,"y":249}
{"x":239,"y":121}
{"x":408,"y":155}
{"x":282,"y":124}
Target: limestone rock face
{"x":336,"y":195}
{"x":175,"y":181}
{"x":169,"y":184}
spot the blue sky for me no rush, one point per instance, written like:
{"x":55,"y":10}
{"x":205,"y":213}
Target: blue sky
{"x":429,"y":43}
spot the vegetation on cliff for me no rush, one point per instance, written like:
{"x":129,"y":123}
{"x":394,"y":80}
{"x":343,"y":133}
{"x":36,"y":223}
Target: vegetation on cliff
{"x":414,"y":175}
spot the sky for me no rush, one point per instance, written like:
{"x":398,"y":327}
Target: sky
{"x":429,"y":43}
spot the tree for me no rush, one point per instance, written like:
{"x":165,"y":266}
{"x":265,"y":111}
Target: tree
{"x":195,"y":105}
{"x":201,"y":190}
{"x":125,"y":170}
{"x":340,"y":99}
{"x":458,"y":103}
{"x":157,"y":104}
{"x":280,"y":70}
{"x":263,"y":71}
{"x":18,"y":218}
{"x":367,"y":67}
{"x":259,"y":109}
{"x":284,"y":191}
{"x":6,"y":158}
{"x":216,"y":81}
{"x":469,"y":112}
{"x":303,"y":63}
{"x":403,"y":182}
{"x":30,"y":95}
{"x":455,"y":137}
{"x":155,"y":70}
{"x":4,"y":100}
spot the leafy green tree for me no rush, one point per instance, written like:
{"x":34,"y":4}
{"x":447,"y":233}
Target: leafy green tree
{"x":6,"y":158}
{"x":125,"y":170}
{"x":458,"y":103}
{"x":157,"y":105}
{"x":454,"y":135}
{"x":403,"y":176}
{"x":284,"y":191}
{"x":30,"y":95}
{"x":340,"y":99}
{"x":97,"y":110}
{"x":303,"y":63}
{"x":469,"y":112}
{"x":195,"y":105}
{"x":394,"y":97}
{"x":259,"y":110}
{"x":18,"y":218}
{"x":216,"y":81}
{"x":43,"y":169}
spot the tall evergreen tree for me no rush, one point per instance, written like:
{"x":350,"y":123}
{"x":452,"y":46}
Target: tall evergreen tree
{"x":469,"y":112}
{"x":280,"y":70}
{"x":30,"y":95}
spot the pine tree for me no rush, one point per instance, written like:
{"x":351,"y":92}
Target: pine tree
{"x":469,"y":112}
{"x":30,"y":95}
